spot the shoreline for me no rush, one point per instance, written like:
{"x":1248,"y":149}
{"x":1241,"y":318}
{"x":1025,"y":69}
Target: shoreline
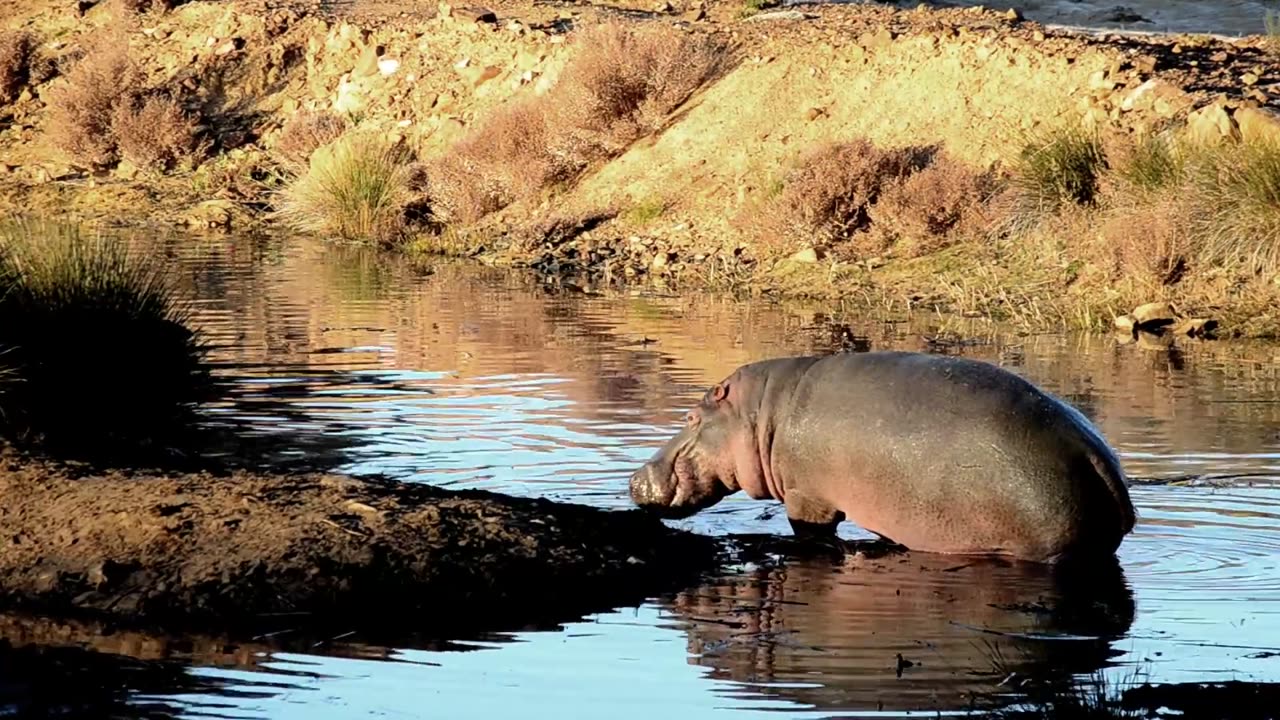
{"x":670,"y":210}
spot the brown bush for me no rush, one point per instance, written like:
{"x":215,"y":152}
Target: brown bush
{"x":506,"y":159}
{"x":303,"y":133}
{"x":155,"y":133}
{"x":16,"y":49}
{"x":81,"y":110}
{"x":928,"y":210}
{"x":826,"y":199}
{"x":1148,"y":242}
{"x":622,"y":84}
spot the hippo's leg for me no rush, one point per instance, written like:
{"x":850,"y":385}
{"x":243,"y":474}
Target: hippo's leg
{"x":810,"y":516}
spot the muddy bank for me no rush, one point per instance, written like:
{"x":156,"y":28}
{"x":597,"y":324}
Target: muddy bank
{"x":245,"y":550}
{"x":674,"y":207}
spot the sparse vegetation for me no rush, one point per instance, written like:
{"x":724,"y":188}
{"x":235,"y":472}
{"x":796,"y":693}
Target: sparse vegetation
{"x":645,"y":212}
{"x":358,"y":188}
{"x":97,"y":344}
{"x":928,"y":210}
{"x":82,"y":109}
{"x":622,"y":84}
{"x":155,"y":133}
{"x":1237,"y":206}
{"x":303,"y":134}
{"x":1057,"y":166}
{"x":827,"y":198}
{"x":1151,"y":163}
{"x":16,"y":49}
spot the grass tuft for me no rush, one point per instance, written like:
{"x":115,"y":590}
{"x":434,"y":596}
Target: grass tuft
{"x":1056,"y":168}
{"x":358,"y":188}
{"x":1237,"y":199}
{"x":1153,"y":163}
{"x":96,"y":343}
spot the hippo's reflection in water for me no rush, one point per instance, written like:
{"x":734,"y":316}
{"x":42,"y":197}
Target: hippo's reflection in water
{"x":829,"y":634}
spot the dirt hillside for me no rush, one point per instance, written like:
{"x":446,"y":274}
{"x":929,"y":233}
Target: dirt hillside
{"x":678,"y":206}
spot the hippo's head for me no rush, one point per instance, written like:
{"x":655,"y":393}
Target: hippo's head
{"x":712,"y":456}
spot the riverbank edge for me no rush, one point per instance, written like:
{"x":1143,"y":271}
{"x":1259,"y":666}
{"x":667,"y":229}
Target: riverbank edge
{"x":683,"y":236}
{"x":245,"y":551}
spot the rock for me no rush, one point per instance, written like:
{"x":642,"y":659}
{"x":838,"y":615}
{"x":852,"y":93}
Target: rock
{"x":367,"y":63}
{"x":807,"y":255}
{"x":1125,"y":323}
{"x":659,"y":261}
{"x":478,"y":76}
{"x":1196,"y":327}
{"x":210,"y":214}
{"x":1013,"y":14}
{"x":388,"y":66}
{"x":444,"y":10}
{"x":1153,"y":315}
{"x":1038,"y":36}
{"x":476,"y":14}
{"x":1249,"y":78}
{"x":813,"y":113}
{"x":1212,"y":124}
{"x":876,"y":40}
{"x":780,"y":15}
{"x":125,"y":170}
{"x":663,"y":6}
{"x":1258,"y":124}
{"x":229,"y":46}
{"x":697,"y":14}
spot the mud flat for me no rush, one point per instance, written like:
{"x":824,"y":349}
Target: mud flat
{"x":242,"y":550}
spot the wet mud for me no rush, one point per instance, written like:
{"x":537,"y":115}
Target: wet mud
{"x":252,"y":550}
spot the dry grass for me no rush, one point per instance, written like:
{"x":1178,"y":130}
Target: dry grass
{"x":82,"y":109}
{"x":1236,"y":195}
{"x":358,"y":188}
{"x":827,"y":198}
{"x":1057,"y":167}
{"x":931,"y":209}
{"x":303,"y":134}
{"x":622,"y":84}
{"x":16,"y":50}
{"x":155,"y":133}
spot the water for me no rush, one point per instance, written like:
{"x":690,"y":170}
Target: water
{"x":469,"y":377}
{"x":1224,"y":17}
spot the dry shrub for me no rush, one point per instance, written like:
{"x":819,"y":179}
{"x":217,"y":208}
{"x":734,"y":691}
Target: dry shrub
{"x":930,"y":209}
{"x":622,"y":84}
{"x":155,"y":133}
{"x":16,"y":50}
{"x":358,"y":188}
{"x":81,"y":111}
{"x":504,"y":160}
{"x":1147,"y":243}
{"x":827,"y":198}
{"x":304,"y":133}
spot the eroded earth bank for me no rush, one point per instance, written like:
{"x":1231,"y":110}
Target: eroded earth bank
{"x":964,"y":159}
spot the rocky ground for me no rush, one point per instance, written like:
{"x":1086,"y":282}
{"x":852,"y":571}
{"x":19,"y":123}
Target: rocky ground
{"x":670,"y":209}
{"x":246,"y":551}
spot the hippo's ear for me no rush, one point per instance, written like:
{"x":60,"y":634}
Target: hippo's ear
{"x":719,"y":392}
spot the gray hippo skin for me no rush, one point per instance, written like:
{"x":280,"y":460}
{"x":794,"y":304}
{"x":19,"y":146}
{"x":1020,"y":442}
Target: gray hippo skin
{"x":938,"y":454}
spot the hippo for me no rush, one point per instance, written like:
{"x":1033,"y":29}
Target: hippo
{"x":931,"y":453}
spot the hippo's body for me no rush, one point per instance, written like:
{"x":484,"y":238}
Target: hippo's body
{"x":934,"y":453}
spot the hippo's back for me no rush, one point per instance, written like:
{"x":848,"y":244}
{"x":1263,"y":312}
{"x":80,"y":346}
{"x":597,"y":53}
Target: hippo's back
{"x":943,"y":453}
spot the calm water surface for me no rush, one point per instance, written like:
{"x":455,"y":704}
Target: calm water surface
{"x":468,"y":377}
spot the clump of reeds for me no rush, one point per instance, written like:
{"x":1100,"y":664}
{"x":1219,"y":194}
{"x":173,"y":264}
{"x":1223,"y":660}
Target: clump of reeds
{"x":1057,"y":167}
{"x":357,"y":188}
{"x":95,"y":344}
